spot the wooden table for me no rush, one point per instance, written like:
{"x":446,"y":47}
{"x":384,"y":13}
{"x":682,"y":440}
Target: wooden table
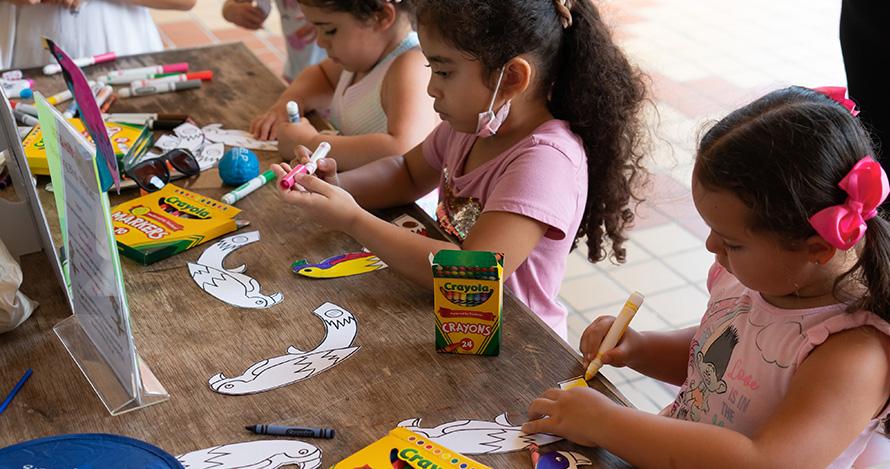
{"x":187,"y":336}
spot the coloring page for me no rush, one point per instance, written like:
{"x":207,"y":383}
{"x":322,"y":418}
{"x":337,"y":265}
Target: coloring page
{"x":237,"y":138}
{"x":297,"y":365}
{"x":260,"y":454}
{"x":411,"y":224}
{"x":210,"y":155}
{"x":230,"y":285}
{"x":167,"y":142}
{"x":190,"y":137}
{"x":480,"y":436}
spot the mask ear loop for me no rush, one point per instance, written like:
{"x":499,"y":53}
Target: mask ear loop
{"x":497,"y":87}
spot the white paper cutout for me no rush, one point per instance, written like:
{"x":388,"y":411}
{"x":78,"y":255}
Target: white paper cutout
{"x":562,"y":460}
{"x":167,"y":142}
{"x":210,"y":155}
{"x":480,"y":436}
{"x":411,"y":224}
{"x":230,"y":285}
{"x":259,"y":454}
{"x":297,"y":365}
{"x":190,"y":137}
{"x":237,"y":138}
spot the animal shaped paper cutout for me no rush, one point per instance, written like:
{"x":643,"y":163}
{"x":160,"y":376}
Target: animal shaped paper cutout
{"x":411,"y":224}
{"x":260,"y":454}
{"x":297,"y":365}
{"x":562,"y":460}
{"x":480,"y":436}
{"x":210,"y":155}
{"x":237,"y":138}
{"x":190,"y":137}
{"x":230,"y":285}
{"x":344,"y":265}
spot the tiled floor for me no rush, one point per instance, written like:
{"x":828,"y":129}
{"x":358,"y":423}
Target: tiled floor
{"x":703,"y":59}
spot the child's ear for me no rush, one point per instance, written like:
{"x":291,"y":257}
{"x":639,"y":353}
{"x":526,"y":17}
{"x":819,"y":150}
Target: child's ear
{"x":387,"y":17}
{"x":818,"y":250}
{"x":517,"y":77}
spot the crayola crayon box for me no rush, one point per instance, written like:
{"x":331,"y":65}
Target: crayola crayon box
{"x":401,"y":448}
{"x":127,"y":139}
{"x":468,"y":288}
{"x":167,"y":222}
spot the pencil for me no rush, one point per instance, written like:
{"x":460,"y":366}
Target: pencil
{"x":15,"y":390}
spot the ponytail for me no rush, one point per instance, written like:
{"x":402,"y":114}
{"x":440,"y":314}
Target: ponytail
{"x":601,"y":95}
{"x":873,"y":269}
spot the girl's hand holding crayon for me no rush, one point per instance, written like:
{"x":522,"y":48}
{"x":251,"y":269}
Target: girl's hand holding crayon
{"x":620,"y":355}
{"x":576,"y":414}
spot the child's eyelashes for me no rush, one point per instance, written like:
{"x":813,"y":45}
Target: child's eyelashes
{"x":440,"y":73}
{"x":731,"y":247}
{"x":330,"y":32}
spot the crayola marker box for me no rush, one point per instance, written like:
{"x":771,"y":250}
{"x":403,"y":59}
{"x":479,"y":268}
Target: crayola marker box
{"x":468,"y":289}
{"x":167,"y":222}
{"x":402,"y":448}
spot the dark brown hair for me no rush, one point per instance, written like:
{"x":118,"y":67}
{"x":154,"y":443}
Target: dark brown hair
{"x":589,"y":83}
{"x":363,"y":10}
{"x":783,"y":155}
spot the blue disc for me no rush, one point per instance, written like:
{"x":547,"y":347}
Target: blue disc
{"x":87,"y":451}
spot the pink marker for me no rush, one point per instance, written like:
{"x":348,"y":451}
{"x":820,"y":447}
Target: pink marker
{"x":309,"y":168}
{"x":81,"y":62}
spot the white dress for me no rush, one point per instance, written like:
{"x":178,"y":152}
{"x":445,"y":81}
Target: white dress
{"x":100,"y":26}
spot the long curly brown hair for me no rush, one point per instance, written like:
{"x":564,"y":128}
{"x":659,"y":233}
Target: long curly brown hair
{"x":588,"y":81}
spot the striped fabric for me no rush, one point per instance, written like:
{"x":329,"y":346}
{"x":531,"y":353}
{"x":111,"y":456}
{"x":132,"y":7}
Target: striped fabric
{"x":356,"y":108}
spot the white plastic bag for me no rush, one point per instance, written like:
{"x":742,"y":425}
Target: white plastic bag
{"x":15,"y":307}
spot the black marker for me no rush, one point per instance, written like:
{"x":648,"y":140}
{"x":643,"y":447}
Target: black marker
{"x":305,"y":432}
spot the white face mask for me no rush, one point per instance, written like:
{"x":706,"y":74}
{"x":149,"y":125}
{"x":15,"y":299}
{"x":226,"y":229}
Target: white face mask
{"x":489,"y":122}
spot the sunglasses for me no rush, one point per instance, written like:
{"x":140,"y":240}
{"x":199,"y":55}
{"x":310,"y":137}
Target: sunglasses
{"x":152,"y":175}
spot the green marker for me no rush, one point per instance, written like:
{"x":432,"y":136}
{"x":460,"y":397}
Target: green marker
{"x":244,"y":189}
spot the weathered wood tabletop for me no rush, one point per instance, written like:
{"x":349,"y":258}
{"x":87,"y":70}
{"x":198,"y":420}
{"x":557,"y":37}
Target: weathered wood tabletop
{"x":187,"y":336}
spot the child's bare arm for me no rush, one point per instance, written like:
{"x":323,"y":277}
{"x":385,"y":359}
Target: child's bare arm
{"x":393,"y":181}
{"x":814,"y":423}
{"x":409,"y":114}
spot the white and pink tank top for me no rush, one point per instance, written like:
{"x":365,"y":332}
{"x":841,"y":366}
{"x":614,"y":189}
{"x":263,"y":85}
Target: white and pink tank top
{"x":355,"y":107}
{"x":745,"y":352}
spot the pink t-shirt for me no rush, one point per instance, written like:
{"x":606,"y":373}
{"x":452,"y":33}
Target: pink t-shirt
{"x":745,"y":353}
{"x":543,"y":177}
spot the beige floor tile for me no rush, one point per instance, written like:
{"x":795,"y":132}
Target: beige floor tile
{"x":655,"y":391}
{"x":692,"y":265}
{"x":589,"y":291}
{"x":648,"y":277}
{"x":577,"y":265}
{"x":681,"y":306}
{"x":666,"y":239}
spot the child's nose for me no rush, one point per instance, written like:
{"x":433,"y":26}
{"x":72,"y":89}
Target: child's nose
{"x":432,"y":90}
{"x":712,"y":244}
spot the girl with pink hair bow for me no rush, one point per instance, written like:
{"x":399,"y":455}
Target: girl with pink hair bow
{"x":790,"y":365}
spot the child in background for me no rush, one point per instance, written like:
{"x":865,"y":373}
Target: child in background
{"x":373,"y":82}
{"x":299,"y":35}
{"x":790,"y":366}
{"x":536,"y":100}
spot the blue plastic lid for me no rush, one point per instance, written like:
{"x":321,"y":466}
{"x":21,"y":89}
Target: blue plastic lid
{"x":86,"y":451}
{"x":26,"y":93}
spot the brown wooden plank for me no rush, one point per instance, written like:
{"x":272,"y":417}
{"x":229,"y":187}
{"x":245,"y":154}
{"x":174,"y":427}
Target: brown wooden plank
{"x":187,"y":336}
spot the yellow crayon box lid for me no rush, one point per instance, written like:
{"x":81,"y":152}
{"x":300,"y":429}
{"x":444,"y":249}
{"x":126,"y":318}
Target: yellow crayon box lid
{"x":402,"y":448}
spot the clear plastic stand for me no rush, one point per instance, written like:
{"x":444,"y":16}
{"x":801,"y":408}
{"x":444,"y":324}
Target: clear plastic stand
{"x":100,"y":375}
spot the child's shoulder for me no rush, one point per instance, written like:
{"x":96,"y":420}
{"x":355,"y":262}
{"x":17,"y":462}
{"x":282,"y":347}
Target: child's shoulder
{"x":558,"y":135}
{"x":409,"y":65}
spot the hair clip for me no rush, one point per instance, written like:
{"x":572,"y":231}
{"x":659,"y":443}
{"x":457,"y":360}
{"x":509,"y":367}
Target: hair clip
{"x":839,"y":95}
{"x":867,"y":188}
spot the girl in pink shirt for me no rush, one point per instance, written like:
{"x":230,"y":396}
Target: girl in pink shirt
{"x":536,"y":100}
{"x":790,"y":366}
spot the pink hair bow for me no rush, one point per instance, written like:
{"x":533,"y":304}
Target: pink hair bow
{"x":867,"y":188}
{"x":839,"y":94}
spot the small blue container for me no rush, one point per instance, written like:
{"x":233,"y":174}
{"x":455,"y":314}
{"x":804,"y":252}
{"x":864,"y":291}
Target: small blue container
{"x":238,"y":165}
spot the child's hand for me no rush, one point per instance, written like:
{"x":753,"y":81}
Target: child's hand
{"x":243,"y":13}
{"x":324,"y":203}
{"x":326,"y":169}
{"x":265,"y":126}
{"x":575,"y":414}
{"x":595,"y":333}
{"x":301,"y":133}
